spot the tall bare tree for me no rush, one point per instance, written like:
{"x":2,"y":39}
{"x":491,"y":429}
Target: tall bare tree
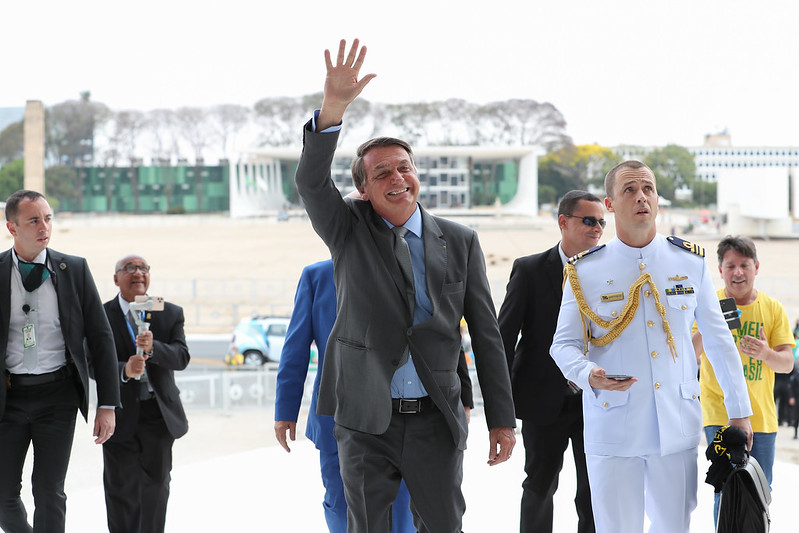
{"x":195,"y":127}
{"x":70,"y":130}
{"x":227,"y":120}
{"x":161,"y":125}
{"x":278,"y":118}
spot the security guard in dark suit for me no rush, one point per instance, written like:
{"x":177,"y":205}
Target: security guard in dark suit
{"x":48,"y":306}
{"x":552,"y":411}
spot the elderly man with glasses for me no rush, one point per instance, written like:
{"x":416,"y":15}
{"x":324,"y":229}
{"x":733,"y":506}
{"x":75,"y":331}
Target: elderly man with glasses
{"x":138,"y":458}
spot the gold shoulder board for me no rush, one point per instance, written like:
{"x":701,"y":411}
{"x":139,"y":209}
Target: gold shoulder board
{"x":687,"y":246}
{"x":584,"y":253}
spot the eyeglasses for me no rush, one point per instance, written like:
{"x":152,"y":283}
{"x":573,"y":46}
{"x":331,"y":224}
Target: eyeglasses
{"x":591,"y":221}
{"x":130,"y":268}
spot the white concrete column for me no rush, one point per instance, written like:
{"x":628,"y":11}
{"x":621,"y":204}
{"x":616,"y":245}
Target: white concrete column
{"x":34,"y":146}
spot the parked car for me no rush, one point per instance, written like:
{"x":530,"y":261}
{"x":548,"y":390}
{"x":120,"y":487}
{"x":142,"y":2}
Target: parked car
{"x":257,"y":340}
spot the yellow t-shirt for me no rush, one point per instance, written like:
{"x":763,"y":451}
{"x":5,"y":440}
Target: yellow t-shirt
{"x":769,"y":314}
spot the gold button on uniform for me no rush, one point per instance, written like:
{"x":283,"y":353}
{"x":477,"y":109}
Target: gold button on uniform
{"x":683,"y":307}
{"x":657,"y":384}
{"x":650,"y":323}
{"x":654,"y":355}
{"x":614,"y":313}
{"x":642,"y":266}
{"x":693,"y":397}
{"x":647,"y":293}
{"x":605,"y":404}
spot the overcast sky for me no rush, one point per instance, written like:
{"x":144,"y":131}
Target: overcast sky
{"x":621,"y":71}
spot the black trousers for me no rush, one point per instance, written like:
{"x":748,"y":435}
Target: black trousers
{"x":544,"y":446}
{"x":417,"y":448}
{"x":45,"y":416}
{"x":136,"y":475}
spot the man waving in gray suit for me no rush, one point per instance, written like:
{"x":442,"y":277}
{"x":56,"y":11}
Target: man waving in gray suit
{"x":404,"y":279}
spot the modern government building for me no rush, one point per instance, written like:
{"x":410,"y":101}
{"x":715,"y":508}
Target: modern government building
{"x":756,"y":184}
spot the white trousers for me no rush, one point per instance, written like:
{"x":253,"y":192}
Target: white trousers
{"x":623,"y":488}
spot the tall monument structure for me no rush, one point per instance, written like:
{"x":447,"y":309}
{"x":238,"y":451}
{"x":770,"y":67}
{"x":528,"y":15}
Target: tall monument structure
{"x":34,"y":146}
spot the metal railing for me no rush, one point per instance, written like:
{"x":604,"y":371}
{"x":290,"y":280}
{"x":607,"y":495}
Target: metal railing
{"x":246,"y":387}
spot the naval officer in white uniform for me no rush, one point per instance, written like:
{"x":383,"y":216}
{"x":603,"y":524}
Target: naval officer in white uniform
{"x":627,"y":310}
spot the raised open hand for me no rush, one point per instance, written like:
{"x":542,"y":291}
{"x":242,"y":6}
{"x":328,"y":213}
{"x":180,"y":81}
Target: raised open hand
{"x":342,"y":85}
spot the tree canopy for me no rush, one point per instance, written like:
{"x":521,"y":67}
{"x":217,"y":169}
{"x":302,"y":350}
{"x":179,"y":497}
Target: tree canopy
{"x":573,"y":167}
{"x":12,"y":176}
{"x":70,"y":129}
{"x":12,"y":141}
{"x":674,"y":168}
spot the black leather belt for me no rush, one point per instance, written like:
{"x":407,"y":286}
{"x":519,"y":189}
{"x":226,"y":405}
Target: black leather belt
{"x":408,"y":406}
{"x":31,"y":380}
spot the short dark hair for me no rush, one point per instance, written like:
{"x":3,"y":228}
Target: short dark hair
{"x":610,"y":177}
{"x":571,"y":199}
{"x":12,"y":203}
{"x":738,"y":243}
{"x":358,"y":172}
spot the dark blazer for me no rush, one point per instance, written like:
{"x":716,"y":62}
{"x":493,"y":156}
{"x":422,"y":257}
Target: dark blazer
{"x":81,"y":314}
{"x":374,"y":324}
{"x":532,"y":304}
{"x":311,"y":321}
{"x":170,"y":353}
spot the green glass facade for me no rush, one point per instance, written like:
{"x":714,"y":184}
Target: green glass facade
{"x":153,"y":189}
{"x":494,"y":179}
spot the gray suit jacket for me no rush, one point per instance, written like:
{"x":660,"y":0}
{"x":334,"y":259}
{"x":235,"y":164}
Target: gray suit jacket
{"x":374,"y":325}
{"x":82,"y":317}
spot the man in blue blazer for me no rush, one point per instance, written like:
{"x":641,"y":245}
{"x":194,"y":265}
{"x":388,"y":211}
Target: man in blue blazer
{"x":311,"y":321}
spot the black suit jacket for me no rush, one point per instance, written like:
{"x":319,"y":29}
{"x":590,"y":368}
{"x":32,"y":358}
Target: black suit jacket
{"x":170,"y":353}
{"x":374,"y":321}
{"x":81,"y":314}
{"x":531,"y":306}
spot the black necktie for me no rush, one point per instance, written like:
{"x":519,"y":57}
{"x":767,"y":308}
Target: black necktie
{"x":33,"y":275}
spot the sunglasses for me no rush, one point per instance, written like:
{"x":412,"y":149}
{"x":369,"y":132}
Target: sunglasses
{"x":590,"y":221}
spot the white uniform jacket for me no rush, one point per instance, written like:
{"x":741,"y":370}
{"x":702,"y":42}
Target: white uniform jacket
{"x":660,"y":414}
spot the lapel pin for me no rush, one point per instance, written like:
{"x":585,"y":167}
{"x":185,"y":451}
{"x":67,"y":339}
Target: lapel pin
{"x":62,"y":266}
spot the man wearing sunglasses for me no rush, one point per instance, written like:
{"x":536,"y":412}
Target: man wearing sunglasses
{"x":551,"y":411}
{"x":624,"y":337}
